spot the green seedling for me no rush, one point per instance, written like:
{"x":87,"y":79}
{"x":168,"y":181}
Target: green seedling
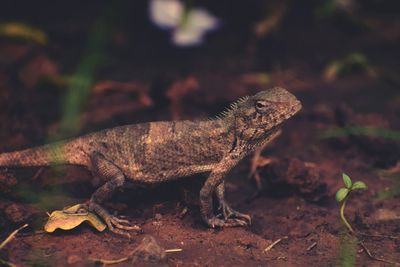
{"x":348,"y":242}
{"x":343,"y":193}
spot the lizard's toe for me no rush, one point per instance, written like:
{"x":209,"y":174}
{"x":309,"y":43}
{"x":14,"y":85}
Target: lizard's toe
{"x":229,"y":213}
{"x":118,"y":231}
{"x":115,"y":224}
{"x":120,"y":226}
{"x":123,"y":224}
{"x":243,"y":216}
{"x":216,"y":222}
{"x":236,"y":222}
{"x":121,"y":221}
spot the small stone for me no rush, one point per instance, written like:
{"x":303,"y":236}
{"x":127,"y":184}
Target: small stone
{"x":17,"y":213}
{"x":73,"y":259}
{"x":149,"y":250}
{"x":158,"y":216}
{"x":7,"y":181}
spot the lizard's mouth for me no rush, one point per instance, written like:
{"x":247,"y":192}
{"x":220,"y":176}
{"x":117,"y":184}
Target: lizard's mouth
{"x":295,"y":108}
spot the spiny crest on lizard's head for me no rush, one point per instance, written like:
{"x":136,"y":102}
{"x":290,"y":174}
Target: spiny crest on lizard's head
{"x":262,"y":111}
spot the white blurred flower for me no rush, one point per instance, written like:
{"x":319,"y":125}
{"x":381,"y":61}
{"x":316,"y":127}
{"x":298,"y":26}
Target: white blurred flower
{"x":166,"y":13}
{"x":187,"y":26}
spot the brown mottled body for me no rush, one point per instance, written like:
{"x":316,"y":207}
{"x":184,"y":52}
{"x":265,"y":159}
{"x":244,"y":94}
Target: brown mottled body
{"x":156,"y":152}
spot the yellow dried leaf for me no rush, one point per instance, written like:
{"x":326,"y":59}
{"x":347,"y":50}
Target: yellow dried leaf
{"x":23,"y":31}
{"x":70,"y":218}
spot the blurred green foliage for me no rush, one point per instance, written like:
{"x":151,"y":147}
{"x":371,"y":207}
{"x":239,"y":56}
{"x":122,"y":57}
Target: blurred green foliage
{"x":394,"y":190}
{"x":361,"y":130}
{"x":348,"y":250}
{"x":350,"y":63}
{"x":45,"y":199}
{"x":81,"y":82}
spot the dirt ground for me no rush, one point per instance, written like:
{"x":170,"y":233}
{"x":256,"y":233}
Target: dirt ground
{"x":145,"y":79}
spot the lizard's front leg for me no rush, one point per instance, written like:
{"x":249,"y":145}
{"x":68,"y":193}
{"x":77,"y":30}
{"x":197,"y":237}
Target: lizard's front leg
{"x":216,"y":177}
{"x":115,"y":180}
{"x":226,"y":210}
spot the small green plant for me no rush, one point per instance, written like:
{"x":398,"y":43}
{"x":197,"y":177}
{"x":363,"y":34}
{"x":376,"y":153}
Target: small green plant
{"x":343,"y":193}
{"x":349,"y":241}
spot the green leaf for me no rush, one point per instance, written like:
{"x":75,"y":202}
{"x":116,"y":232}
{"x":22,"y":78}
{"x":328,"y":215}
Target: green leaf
{"x":341,"y":194}
{"x":359,"y":185}
{"x":389,"y":192}
{"x":347,"y":181}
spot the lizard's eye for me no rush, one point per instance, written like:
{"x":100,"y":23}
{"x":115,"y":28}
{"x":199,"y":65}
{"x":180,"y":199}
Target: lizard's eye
{"x":261,"y":106}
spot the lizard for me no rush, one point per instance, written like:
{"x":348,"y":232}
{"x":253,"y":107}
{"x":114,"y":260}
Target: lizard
{"x":156,"y":152}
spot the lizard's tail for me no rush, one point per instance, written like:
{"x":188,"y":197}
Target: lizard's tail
{"x":51,"y":154}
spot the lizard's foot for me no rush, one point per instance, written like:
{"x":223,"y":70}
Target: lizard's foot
{"x":258,"y":161}
{"x":115,"y":224}
{"x":120,"y":226}
{"x":229,"y":213}
{"x":217,"y":222}
{"x":77,"y":209}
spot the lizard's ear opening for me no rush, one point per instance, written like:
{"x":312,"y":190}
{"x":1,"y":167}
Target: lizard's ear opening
{"x":263,"y":106}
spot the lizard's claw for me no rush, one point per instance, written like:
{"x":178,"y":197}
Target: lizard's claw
{"x":216,"y":222}
{"x":120,"y":226}
{"x":258,"y":161}
{"x":229,"y":213}
{"x":115,"y":224}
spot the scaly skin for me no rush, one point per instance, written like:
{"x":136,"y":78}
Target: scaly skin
{"x":156,"y":152}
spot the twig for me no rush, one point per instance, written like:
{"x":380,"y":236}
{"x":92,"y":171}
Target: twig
{"x":381,"y":236}
{"x":183,"y":213}
{"x":7,"y":263}
{"x":37,"y":174}
{"x":12,"y":235}
{"x":313,"y":245}
{"x":38,"y":232}
{"x":274,"y":243}
{"x":173,"y":250}
{"x":6,"y":241}
{"x":375,"y":258}
{"x":105,"y":262}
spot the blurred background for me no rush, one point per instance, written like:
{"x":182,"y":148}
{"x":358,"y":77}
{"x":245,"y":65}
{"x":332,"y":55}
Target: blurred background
{"x":60,"y":56}
{"x":72,"y":67}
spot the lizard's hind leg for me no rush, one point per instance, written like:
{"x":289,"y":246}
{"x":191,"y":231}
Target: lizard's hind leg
{"x":115,"y":179}
{"x":226,"y":210}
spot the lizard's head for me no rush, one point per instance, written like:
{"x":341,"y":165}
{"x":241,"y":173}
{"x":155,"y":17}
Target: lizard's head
{"x":257,"y":115}
{"x":270,"y":108}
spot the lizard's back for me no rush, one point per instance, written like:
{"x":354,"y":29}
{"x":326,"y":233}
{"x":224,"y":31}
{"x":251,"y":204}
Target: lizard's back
{"x":157,"y":151}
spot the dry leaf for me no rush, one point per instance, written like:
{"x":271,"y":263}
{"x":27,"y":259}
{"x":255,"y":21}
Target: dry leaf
{"x":70,"y":218}
{"x":23,"y":31}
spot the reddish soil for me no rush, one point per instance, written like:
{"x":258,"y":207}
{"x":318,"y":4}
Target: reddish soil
{"x":297,"y":203}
